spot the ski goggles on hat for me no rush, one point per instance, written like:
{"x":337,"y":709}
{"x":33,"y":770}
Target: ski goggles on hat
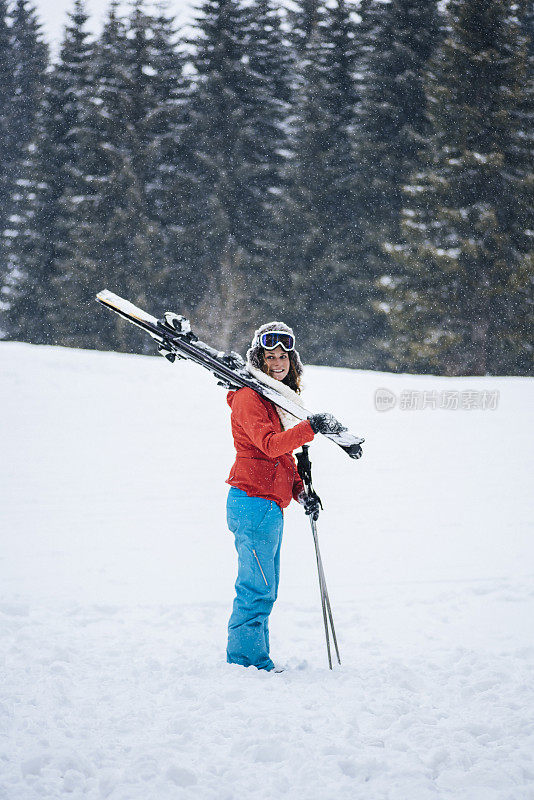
{"x":272,"y":339}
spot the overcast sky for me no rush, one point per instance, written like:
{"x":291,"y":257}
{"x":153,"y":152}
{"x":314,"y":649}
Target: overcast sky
{"x":53,"y":15}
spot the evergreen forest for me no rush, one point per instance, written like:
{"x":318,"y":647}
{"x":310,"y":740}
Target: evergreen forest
{"x":362,"y":171}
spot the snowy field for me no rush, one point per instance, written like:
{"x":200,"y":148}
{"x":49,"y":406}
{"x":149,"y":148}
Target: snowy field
{"x":117,"y":571}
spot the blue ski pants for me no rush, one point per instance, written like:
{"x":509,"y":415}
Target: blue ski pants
{"x":257,"y":525}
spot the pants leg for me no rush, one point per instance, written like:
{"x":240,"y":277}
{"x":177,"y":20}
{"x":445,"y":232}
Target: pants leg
{"x":276,"y":583}
{"x":257,"y":525}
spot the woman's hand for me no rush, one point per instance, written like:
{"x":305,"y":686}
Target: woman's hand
{"x":312,"y":504}
{"x":325,"y":423}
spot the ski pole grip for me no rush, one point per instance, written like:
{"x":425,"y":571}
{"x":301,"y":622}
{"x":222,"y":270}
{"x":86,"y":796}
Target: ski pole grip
{"x":304,"y":465}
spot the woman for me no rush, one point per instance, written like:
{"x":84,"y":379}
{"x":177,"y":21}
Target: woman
{"x":263,"y":481}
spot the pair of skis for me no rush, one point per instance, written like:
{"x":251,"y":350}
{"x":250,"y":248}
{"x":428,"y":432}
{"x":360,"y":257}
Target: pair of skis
{"x":176,"y":340}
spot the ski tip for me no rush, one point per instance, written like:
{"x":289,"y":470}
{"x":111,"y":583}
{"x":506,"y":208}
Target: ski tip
{"x":105,"y":296}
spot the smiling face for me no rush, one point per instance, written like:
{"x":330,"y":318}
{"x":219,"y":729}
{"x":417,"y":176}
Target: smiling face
{"x":276,"y":363}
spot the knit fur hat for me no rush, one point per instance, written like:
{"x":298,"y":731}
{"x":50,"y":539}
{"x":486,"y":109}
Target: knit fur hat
{"x":255,"y":352}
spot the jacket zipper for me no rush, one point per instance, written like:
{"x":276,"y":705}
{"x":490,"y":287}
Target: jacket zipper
{"x":259,"y":565}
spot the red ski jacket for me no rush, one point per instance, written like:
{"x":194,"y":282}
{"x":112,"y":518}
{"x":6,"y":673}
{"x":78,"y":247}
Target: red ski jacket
{"x":264,"y":465}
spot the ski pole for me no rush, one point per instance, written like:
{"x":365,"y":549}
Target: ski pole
{"x":304,"y":470}
{"x":322,"y":591}
{"x":325,"y":592}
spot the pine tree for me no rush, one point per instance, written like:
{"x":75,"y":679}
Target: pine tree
{"x":269,"y":60}
{"x":522,"y":202}
{"x":30,"y":55}
{"x":30,"y":64}
{"x":32,"y":293}
{"x":7,"y":139}
{"x":235,"y":136}
{"x":321,"y":231}
{"x":82,"y":166}
{"x":115,"y":238}
{"x":55,"y":167}
{"x":400,"y":36}
{"x":168,"y":189}
{"x":218,"y":120}
{"x":465,"y":305}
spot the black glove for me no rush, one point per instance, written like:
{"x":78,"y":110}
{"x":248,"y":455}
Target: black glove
{"x":312,"y":504}
{"x":325,"y":423}
{"x":233,"y":360}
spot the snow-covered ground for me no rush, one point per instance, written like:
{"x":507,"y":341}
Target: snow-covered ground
{"x":116,"y":577}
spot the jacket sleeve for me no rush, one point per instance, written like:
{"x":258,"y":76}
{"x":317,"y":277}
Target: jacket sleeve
{"x":252,"y":415}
